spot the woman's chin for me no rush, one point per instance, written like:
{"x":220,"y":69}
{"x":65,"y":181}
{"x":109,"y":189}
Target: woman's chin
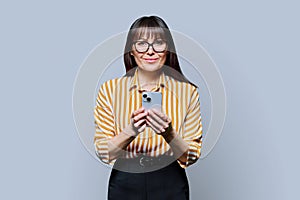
{"x":151,"y":67}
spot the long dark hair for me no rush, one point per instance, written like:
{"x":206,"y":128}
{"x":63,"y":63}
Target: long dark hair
{"x":156,"y":26}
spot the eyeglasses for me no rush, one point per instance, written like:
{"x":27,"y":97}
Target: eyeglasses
{"x":158,"y":46}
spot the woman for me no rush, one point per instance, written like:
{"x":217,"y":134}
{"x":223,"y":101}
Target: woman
{"x":149,"y":148}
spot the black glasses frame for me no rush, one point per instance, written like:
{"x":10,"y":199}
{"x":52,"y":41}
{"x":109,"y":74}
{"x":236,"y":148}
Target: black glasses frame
{"x":150,"y":45}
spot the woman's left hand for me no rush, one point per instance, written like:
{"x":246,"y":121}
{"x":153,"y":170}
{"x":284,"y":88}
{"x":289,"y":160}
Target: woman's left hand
{"x":159,"y":122}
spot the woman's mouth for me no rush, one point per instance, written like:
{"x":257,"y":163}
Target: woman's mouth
{"x":150,"y":60}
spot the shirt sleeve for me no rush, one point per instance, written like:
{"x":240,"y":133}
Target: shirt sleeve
{"x":192,"y":130}
{"x":104,"y":124}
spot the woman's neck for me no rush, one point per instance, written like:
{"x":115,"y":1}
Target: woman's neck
{"x":148,"y":78}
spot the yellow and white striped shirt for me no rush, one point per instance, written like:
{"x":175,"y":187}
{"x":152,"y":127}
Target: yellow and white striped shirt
{"x":118,"y":98}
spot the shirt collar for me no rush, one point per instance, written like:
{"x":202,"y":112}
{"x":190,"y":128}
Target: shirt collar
{"x":135,"y":83}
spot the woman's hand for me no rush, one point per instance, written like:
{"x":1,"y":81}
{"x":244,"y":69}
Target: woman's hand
{"x":118,"y":144}
{"x":159,"y":122}
{"x":137,"y":122}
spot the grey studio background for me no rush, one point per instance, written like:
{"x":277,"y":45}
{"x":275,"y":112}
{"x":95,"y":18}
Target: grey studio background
{"x":255,"y":45}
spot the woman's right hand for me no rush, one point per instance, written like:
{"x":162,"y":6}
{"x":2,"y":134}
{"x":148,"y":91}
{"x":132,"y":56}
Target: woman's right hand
{"x":137,"y":122}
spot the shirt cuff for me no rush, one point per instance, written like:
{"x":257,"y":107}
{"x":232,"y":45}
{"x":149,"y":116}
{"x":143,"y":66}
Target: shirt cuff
{"x":101,"y":150}
{"x":193,"y":155}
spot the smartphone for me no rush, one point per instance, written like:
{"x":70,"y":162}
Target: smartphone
{"x":152,"y":100}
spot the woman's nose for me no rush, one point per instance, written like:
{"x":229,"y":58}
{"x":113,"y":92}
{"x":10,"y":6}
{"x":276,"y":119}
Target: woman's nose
{"x":150,"y":50}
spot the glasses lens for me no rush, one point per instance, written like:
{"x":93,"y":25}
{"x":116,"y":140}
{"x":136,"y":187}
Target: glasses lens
{"x":141,"y":46}
{"x":159,"y":45}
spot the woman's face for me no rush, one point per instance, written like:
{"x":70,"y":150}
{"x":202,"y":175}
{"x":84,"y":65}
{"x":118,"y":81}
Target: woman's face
{"x":154,"y":58}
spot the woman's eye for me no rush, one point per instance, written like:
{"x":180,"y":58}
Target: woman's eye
{"x":141,"y":43}
{"x":159,"y":42}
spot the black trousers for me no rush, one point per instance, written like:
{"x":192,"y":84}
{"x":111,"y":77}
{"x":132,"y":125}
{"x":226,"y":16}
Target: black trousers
{"x":168,"y":183}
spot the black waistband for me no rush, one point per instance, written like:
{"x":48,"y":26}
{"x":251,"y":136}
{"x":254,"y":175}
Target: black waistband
{"x":143,"y":163}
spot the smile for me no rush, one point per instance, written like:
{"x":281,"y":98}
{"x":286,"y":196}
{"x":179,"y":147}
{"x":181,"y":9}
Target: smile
{"x":151,"y":60}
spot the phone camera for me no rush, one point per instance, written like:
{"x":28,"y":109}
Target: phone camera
{"x":148,"y":99}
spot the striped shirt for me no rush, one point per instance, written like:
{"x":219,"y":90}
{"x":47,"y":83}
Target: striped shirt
{"x":118,"y":98}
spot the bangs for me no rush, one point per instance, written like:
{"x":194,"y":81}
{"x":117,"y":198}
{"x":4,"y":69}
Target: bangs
{"x":146,"y":32}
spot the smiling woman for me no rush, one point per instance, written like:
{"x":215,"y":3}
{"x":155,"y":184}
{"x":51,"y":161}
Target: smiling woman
{"x":148,"y":148}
